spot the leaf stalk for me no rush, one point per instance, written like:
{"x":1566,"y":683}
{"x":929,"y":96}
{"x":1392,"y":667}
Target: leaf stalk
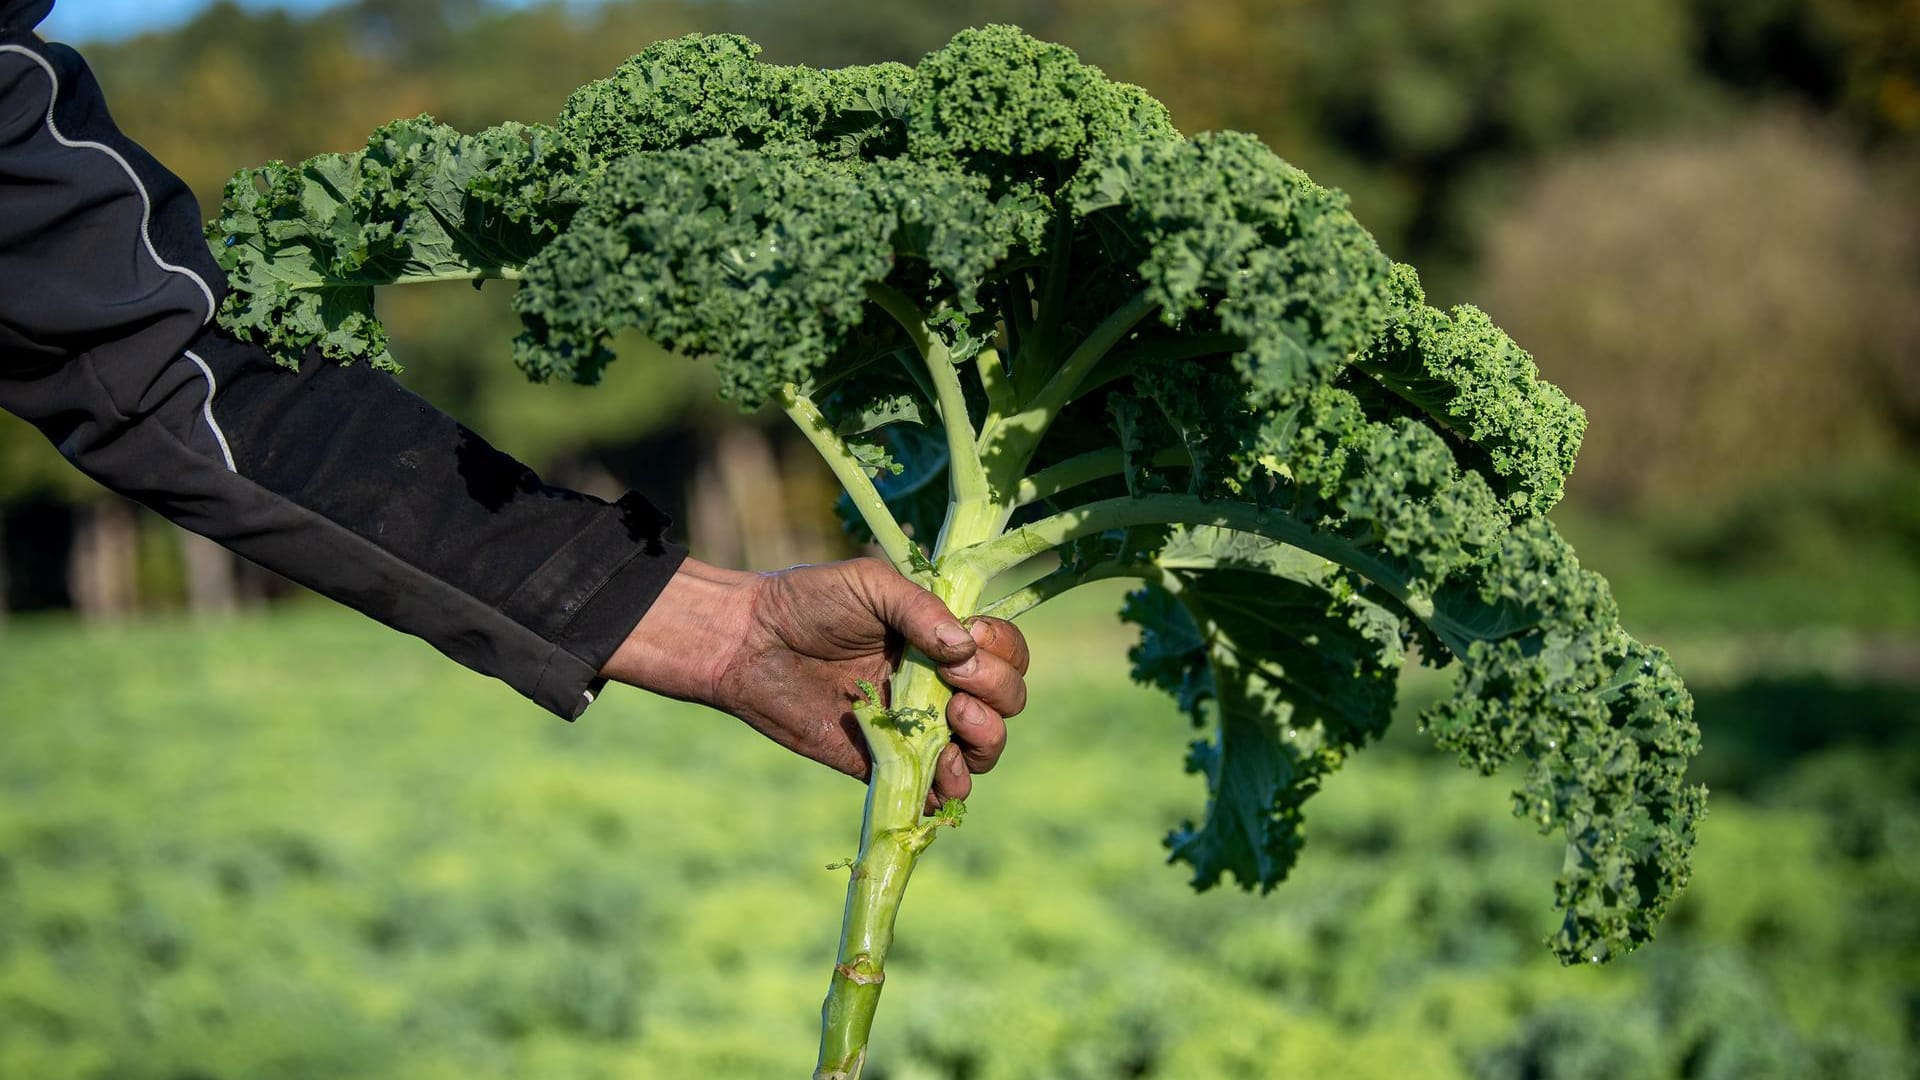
{"x":853,"y":478}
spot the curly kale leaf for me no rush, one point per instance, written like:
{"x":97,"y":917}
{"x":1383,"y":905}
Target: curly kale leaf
{"x":1000,"y":103}
{"x":1290,"y":678}
{"x":676,"y":94}
{"x":1470,"y":377}
{"x":1380,"y":512}
{"x":756,"y":258}
{"x":1409,"y":517}
{"x":1182,"y":360}
{"x":305,"y":246}
{"x":761,"y":259}
{"x":1224,"y":234}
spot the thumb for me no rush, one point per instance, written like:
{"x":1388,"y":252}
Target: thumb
{"x":917,"y":615}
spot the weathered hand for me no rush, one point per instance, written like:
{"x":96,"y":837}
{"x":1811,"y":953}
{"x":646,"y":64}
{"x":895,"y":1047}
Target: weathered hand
{"x":785,"y":651}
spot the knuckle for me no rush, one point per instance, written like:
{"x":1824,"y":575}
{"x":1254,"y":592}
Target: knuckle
{"x":869,"y":574}
{"x":1009,"y":643}
{"x":983,"y":758}
{"x":1010,"y":693}
{"x":995,"y":742}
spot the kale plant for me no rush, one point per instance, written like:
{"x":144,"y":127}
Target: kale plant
{"x":1043,"y":339}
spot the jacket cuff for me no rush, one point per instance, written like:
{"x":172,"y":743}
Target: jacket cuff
{"x":592,"y":617}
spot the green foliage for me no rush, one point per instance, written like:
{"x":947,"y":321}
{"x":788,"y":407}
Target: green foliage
{"x":304,"y":246}
{"x":1693,"y":396}
{"x":677,"y":94}
{"x":709,"y":250}
{"x":1296,"y":684}
{"x":1227,"y":237}
{"x":951,"y":813}
{"x":1309,"y":470}
{"x":1837,"y":546}
{"x":284,"y":867}
{"x":1001,"y":103}
{"x":1467,"y":375}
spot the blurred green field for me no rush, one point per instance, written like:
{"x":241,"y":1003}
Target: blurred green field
{"x":295,"y":845}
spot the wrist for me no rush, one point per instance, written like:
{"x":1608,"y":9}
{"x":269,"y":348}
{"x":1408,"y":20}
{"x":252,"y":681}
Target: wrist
{"x":689,"y":635}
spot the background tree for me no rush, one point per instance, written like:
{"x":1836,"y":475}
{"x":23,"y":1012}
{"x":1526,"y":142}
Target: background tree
{"x":1448,"y":123}
{"x":1728,"y":310}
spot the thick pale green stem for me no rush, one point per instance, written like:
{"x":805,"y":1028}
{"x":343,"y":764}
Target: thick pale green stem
{"x":964,"y":467}
{"x":905,"y":740}
{"x":1066,"y":381}
{"x":906,"y":737}
{"x":891,"y":839}
{"x":852,"y":476}
{"x":993,"y":379}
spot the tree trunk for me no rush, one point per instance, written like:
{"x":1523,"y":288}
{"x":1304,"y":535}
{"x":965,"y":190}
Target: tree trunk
{"x":212,"y":583}
{"x":710,"y":526}
{"x":737,"y":508}
{"x":751,"y":479}
{"x":103,"y":569}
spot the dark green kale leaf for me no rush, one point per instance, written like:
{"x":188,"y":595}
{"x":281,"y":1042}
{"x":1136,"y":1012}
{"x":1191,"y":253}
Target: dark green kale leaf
{"x":689,"y":90}
{"x":1290,"y":678}
{"x":1470,"y":377}
{"x":305,"y":246}
{"x":997,"y":102}
{"x":1182,"y":361}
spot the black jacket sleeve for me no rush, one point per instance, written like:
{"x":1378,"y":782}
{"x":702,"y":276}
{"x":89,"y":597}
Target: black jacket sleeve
{"x":338,"y":478}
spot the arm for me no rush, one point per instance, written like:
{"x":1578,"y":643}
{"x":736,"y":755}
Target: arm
{"x":344,"y":481}
{"x":338,"y":478}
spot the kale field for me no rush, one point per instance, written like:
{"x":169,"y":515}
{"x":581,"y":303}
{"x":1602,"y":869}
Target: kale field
{"x":294,"y":845}
{"x":245,"y":835}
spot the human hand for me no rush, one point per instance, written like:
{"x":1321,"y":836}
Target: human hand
{"x":785,"y":651}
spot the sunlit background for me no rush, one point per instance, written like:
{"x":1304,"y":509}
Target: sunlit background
{"x":246,"y":834}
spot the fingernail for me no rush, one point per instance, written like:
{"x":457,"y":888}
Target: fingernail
{"x":965,"y":667}
{"x":982,"y":632}
{"x":952,"y":635}
{"x":968,"y":711}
